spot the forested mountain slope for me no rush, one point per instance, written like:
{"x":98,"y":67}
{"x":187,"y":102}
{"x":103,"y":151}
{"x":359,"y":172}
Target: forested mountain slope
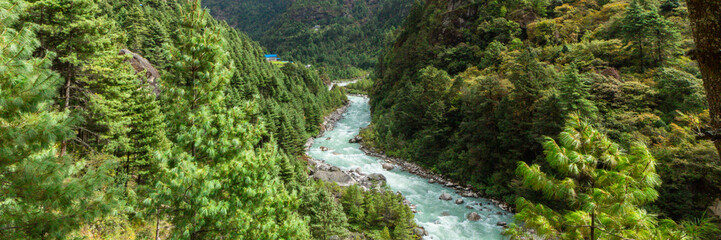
{"x":471,"y":88}
{"x":342,"y":38}
{"x":88,"y":149}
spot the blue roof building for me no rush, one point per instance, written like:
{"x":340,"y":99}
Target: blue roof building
{"x":272,"y":57}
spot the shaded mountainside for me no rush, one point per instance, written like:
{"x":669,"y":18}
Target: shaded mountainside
{"x":342,"y":38}
{"x":470,"y":88}
{"x":212,"y":149}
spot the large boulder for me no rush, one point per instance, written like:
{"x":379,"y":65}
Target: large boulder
{"x":339,"y":177}
{"x":356,"y":139}
{"x":376,"y":177}
{"x":388,"y":166}
{"x":140,"y":64}
{"x":473,"y":216}
{"x":373,"y":181}
{"x":716,"y":208}
{"x":446,"y":197}
{"x":419,"y":231}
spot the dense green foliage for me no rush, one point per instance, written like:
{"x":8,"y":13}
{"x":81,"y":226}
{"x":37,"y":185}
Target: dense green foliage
{"x":341,"y":38}
{"x":597,"y":189}
{"x":362,"y":86}
{"x":470,"y":88}
{"x":44,"y":195}
{"x":90,"y":148}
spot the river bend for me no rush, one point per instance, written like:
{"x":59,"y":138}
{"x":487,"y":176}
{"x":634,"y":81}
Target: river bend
{"x":443,"y":220}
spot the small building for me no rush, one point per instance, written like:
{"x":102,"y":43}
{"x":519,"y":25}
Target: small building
{"x":272,"y":57}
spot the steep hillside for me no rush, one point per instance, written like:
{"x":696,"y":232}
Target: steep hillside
{"x":153,"y":120}
{"x":249,"y":16}
{"x":342,"y":38}
{"x":470,"y":88}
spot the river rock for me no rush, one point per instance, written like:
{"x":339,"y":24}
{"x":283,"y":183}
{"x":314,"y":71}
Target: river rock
{"x":339,"y":177}
{"x":323,"y":149}
{"x":431,"y":180}
{"x":473,"y":216}
{"x":356,"y":139}
{"x":446,"y":197}
{"x":419,"y":231}
{"x":459,"y":201}
{"x":445,"y":214}
{"x":501,"y":224}
{"x":388,"y":166}
{"x":469,"y":206}
{"x":327,"y":138}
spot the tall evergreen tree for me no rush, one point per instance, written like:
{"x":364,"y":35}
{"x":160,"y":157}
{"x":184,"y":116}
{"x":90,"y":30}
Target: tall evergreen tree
{"x":218,"y":180}
{"x":648,"y":34}
{"x":43,"y":195}
{"x":72,"y":30}
{"x":574,"y":94}
{"x":600,"y":189}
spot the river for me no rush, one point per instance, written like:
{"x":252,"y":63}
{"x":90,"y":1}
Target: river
{"x":441,"y":219}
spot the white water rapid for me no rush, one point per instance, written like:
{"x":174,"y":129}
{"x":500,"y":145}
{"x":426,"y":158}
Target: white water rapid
{"x":443,"y":220}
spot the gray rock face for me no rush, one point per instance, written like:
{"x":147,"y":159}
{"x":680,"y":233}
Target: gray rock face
{"x":339,"y":177}
{"x":329,"y":173}
{"x":446,"y":197}
{"x":140,"y":64}
{"x":473,"y":216}
{"x":388,"y":166}
{"x":459,"y":201}
{"x":716,"y":208}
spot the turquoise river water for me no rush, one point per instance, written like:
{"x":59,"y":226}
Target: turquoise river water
{"x":443,"y":220}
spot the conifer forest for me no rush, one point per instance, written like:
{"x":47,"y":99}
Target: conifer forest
{"x":360,"y":119}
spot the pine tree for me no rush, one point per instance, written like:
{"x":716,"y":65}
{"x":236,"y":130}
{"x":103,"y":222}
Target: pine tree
{"x":601,"y":186}
{"x":72,"y":30}
{"x":147,"y":132}
{"x":648,"y":34}
{"x":326,"y":215}
{"x":218,"y":181}
{"x":574,"y":94}
{"x":44,"y":196}
{"x":109,"y":83}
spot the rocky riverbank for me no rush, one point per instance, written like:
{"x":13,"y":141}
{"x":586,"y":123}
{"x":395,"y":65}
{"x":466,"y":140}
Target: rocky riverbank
{"x":391,"y":162}
{"x":320,"y":170}
{"x":329,"y":122}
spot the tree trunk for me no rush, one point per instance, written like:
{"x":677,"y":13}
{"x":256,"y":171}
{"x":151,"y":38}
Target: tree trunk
{"x":705,"y":19}
{"x":64,"y":145}
{"x":157,"y":224}
{"x":593,"y":224}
